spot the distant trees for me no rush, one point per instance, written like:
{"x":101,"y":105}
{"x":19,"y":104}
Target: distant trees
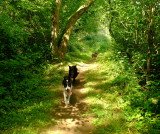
{"x":135,"y":26}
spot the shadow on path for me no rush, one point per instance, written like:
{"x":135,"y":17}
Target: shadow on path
{"x":71,"y":119}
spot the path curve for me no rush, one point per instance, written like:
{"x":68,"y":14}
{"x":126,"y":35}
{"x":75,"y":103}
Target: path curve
{"x":71,"y":119}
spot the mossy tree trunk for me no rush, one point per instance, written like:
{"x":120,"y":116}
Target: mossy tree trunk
{"x":59,"y":45}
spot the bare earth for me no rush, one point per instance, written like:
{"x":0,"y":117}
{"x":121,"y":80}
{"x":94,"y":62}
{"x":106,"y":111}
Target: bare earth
{"x":71,"y":119}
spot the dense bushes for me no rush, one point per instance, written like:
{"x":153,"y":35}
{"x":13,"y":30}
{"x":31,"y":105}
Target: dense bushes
{"x":136,"y":40}
{"x":122,"y":105}
{"x":25,"y":36}
{"x":20,"y":84}
{"x":144,"y":110}
{"x":142,"y":103}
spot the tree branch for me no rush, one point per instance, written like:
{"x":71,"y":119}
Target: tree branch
{"x":69,"y":27}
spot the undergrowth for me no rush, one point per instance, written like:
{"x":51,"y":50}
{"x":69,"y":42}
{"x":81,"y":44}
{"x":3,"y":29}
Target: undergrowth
{"x":116,"y":99}
{"x":29,"y":92}
{"x":26,"y":100}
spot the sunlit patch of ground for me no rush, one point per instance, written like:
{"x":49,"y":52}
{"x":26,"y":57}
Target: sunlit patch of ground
{"x":84,"y":90}
{"x":95,"y":102}
{"x":105,"y":98}
{"x":72,"y":119}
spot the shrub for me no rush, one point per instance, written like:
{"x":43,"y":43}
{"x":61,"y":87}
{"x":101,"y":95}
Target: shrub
{"x":20,"y":85}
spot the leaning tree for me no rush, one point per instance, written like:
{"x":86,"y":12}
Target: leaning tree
{"x":60,"y":37}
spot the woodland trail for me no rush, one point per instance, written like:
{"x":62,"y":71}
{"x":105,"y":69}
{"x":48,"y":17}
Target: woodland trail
{"x":71,"y":119}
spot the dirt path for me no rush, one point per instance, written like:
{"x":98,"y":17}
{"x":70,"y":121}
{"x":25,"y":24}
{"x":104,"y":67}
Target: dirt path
{"x":71,"y":119}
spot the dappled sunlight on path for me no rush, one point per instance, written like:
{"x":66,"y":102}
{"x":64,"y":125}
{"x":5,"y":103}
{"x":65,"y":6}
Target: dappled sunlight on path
{"x":72,"y":119}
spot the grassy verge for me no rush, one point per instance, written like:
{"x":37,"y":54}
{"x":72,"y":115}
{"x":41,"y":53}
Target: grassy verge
{"x":108,"y":83}
{"x":35,"y":114}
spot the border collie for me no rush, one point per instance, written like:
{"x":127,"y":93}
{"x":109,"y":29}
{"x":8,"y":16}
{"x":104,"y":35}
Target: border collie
{"x":67,"y":84}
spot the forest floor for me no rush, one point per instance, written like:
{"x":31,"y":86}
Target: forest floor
{"x":97,"y":104}
{"x":71,"y":119}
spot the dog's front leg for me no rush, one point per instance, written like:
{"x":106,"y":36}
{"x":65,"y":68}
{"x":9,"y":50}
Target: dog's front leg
{"x":65,"y":98}
{"x":68,"y":99}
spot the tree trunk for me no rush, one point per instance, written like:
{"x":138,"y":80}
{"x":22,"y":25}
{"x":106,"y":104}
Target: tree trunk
{"x":150,"y":41}
{"x":60,"y":49}
{"x":111,"y":19}
{"x":148,"y":63}
{"x":150,"y":46}
{"x":55,"y":27}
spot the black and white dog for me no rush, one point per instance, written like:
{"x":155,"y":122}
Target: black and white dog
{"x":67,"y":83}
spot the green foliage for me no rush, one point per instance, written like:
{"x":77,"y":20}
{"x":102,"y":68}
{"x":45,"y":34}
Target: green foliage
{"x":20,"y":85}
{"x":89,"y":34}
{"x":107,"y":83}
{"x":130,"y":28}
{"x":25,"y":37}
{"x":67,"y":10}
{"x":126,"y":103}
{"x":134,"y":35}
{"x":25,"y":27}
{"x":121,"y":105}
{"x":27,"y":95}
